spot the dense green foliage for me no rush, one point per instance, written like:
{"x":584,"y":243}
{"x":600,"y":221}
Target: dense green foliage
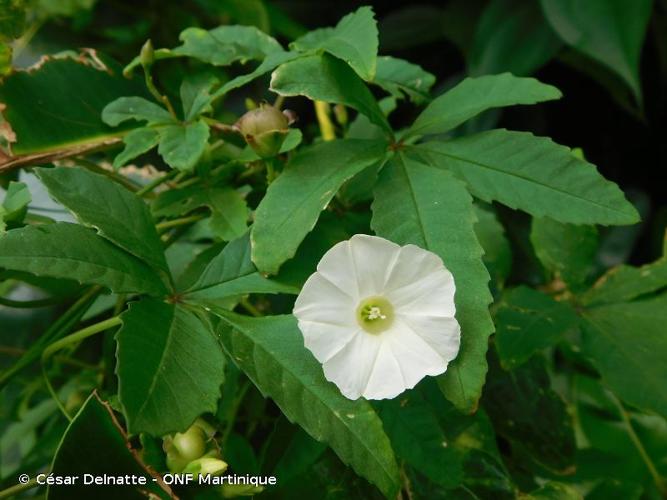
{"x":152,"y":244}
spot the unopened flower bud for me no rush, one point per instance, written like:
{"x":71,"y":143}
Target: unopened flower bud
{"x":264,"y":129}
{"x":147,"y":54}
{"x":183,"y":448}
{"x":206,"y":466}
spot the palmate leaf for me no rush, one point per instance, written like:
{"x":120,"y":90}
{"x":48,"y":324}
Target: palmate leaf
{"x":610,"y":31}
{"x":474,"y":95}
{"x":294,"y":201}
{"x":116,"y":213}
{"x":354,"y":40}
{"x":71,"y":251}
{"x":627,"y":343}
{"x":533,"y":174}
{"x":170,"y":367}
{"x":326,"y":78}
{"x":134,"y":108}
{"x":399,"y":77}
{"x":232,"y":273}
{"x":271,"y":352}
{"x":429,"y":207}
{"x":226,"y":44}
{"x":95,"y":444}
{"x":182,"y":145}
{"x":137,"y":142}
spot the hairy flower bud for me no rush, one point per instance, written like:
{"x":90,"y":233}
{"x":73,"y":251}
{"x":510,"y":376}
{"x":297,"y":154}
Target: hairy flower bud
{"x":264,"y":129}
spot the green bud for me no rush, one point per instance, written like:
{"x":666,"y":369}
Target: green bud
{"x":264,"y":129}
{"x":205,"y":466}
{"x":147,"y":54}
{"x":189,"y":445}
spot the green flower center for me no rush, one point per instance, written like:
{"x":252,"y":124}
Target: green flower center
{"x":375,"y":314}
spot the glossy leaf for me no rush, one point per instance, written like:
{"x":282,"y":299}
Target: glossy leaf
{"x":474,"y":95}
{"x":325,"y":78}
{"x":627,"y":343}
{"x":533,"y":174}
{"x":170,"y":367}
{"x":401,"y":78}
{"x":430,"y":208}
{"x":566,"y":250}
{"x":354,"y":40}
{"x":70,"y":251}
{"x":116,"y":213}
{"x":527,"y":322}
{"x":67,"y":115}
{"x":271,"y":352}
{"x":294,"y":201}
{"x":95,"y":444}
{"x":181,"y":146}
{"x":610,"y":31}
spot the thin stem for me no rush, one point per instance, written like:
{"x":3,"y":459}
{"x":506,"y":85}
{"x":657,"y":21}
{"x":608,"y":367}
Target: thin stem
{"x":94,"y":167}
{"x":245,"y":303}
{"x":29,"y":304}
{"x":150,"y":84}
{"x":58,"y":328}
{"x":155,"y":183}
{"x":23,"y":42}
{"x":69,"y":340}
{"x":659,"y":481}
{"x":326,"y":125}
{"x":162,"y":226}
{"x":18,"y":488}
{"x":278,"y":103}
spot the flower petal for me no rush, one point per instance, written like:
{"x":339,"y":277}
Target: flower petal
{"x":351,"y":368}
{"x":374,"y":259}
{"x":322,"y":301}
{"x":338,"y":267}
{"x":386,"y":380}
{"x":431,"y":295}
{"x":442,"y":335}
{"x":325,"y":340}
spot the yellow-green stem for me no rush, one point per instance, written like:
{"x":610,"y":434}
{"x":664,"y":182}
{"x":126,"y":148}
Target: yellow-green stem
{"x":326,"y":125}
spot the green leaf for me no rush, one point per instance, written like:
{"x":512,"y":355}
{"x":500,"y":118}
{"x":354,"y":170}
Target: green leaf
{"x":196,"y":95}
{"x":354,"y":40}
{"x":554,"y":490}
{"x":513,"y":36}
{"x":399,"y":78}
{"x":182,"y":145}
{"x":294,"y":201}
{"x":137,"y":142}
{"x":625,"y":283}
{"x":430,"y":208}
{"x":527,"y":322}
{"x":229,"y":213}
{"x":232,"y":273}
{"x":292,"y":140}
{"x":15,"y":204}
{"x":417,"y":438}
{"x":12,"y":19}
{"x":95,"y":444}
{"x":474,"y":95}
{"x":497,"y":251}
{"x":225,"y":45}
{"x":66,"y":116}
{"x":325,"y":78}
{"x":627,"y":343}
{"x":566,"y":250}
{"x":70,"y":251}
{"x":533,"y":174}
{"x":135,"y":108}
{"x":170,"y":367}
{"x":610,"y":31}
{"x":116,"y":213}
{"x":527,"y":412}
{"x":271,"y":352}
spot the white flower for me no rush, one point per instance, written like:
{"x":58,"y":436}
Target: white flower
{"x":378,"y":316}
